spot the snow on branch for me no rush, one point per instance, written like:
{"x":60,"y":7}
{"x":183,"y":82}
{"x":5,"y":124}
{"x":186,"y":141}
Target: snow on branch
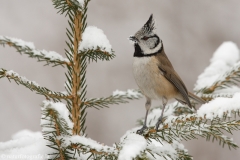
{"x":129,"y":94}
{"x":220,"y":107}
{"x":29,"y":49}
{"x":162,"y":150}
{"x":80,"y":3}
{"x":209,"y":97}
{"x":223,"y":70}
{"x":133,"y":145}
{"x":190,"y":126}
{"x":95,"y":45}
{"x":87,"y":147}
{"x":116,"y":98}
{"x":55,"y":122}
{"x":94,"y":38}
{"x":62,"y":112}
{"x":65,"y":5}
{"x":209,"y":122}
{"x":33,"y":86}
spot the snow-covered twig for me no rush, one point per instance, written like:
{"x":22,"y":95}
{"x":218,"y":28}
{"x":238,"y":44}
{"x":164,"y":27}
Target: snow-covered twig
{"x":29,"y":49}
{"x":93,"y":38}
{"x":190,"y":126}
{"x":83,"y":146}
{"x":209,"y":122}
{"x":66,"y":5}
{"x":162,"y":150}
{"x":133,"y":145}
{"x":33,"y":86}
{"x":55,"y":122}
{"x":209,"y":97}
{"x":223,"y":71}
{"x":95,"y":45}
{"x":230,"y":78}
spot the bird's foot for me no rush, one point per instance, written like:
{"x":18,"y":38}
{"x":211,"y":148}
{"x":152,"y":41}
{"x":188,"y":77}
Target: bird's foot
{"x":141,"y":131}
{"x":158,"y":123}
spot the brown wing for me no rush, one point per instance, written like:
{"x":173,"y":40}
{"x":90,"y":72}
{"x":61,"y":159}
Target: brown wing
{"x":170,"y":74}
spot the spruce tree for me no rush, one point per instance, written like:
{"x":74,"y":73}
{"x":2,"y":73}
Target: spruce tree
{"x":64,"y":113}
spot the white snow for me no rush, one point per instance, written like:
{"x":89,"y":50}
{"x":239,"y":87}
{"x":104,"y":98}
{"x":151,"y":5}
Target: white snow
{"x":24,"y":79}
{"x":60,"y":108}
{"x":52,"y":55}
{"x":81,"y":2}
{"x":132,"y":145}
{"x":219,"y":106}
{"x":215,"y":108}
{"x":224,"y":58}
{"x":31,"y":145}
{"x":86,"y":142}
{"x":163,"y":149}
{"x":94,"y":37}
{"x":129,"y":93}
{"x":25,"y":145}
{"x":18,"y":42}
{"x":229,"y":90}
{"x":227,"y":52}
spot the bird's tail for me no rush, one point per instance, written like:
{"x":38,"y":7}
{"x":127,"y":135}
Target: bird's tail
{"x":196,"y":98}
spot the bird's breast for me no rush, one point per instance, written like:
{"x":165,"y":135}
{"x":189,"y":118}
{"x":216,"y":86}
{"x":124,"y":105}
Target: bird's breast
{"x":150,"y":80}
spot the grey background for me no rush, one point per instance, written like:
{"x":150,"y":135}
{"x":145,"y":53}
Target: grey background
{"x":191,"y":32}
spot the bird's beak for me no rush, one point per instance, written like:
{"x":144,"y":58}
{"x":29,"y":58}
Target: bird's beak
{"x":134,"y":39}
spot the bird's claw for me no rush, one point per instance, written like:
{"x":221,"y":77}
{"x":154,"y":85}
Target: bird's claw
{"x":158,"y":123}
{"x":141,"y":131}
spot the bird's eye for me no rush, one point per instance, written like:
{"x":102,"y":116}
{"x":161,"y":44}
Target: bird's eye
{"x":145,"y":38}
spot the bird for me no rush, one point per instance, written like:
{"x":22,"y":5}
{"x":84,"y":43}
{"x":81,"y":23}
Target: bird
{"x":154,"y":73}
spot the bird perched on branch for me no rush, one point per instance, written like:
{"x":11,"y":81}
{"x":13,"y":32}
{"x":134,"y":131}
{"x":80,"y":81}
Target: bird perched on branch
{"x":154,"y":73}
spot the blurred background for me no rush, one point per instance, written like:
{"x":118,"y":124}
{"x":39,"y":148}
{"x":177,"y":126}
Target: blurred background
{"x":191,"y":31}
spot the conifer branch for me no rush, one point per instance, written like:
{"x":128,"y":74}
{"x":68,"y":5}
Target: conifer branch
{"x":164,"y":151}
{"x":93,"y":153}
{"x":190,"y":126}
{"x":97,"y":54}
{"x":117,"y":98}
{"x":58,"y":142}
{"x":54,"y":126}
{"x":209,"y":97}
{"x":50,"y":57}
{"x":63,"y":125}
{"x":78,"y":144}
{"x":33,"y":86}
{"x":230,"y":78}
{"x":180,"y":110}
{"x":67,"y":6}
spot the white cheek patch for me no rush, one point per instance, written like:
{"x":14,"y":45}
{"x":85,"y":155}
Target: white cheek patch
{"x":147,"y":50}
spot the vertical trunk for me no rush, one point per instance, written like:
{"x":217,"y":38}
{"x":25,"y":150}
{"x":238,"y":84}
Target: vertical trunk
{"x":76,"y":101}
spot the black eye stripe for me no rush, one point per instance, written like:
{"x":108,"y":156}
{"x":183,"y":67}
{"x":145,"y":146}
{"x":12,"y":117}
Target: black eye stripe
{"x":146,"y":38}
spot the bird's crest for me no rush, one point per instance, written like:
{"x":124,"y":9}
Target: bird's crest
{"x":149,"y":26}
